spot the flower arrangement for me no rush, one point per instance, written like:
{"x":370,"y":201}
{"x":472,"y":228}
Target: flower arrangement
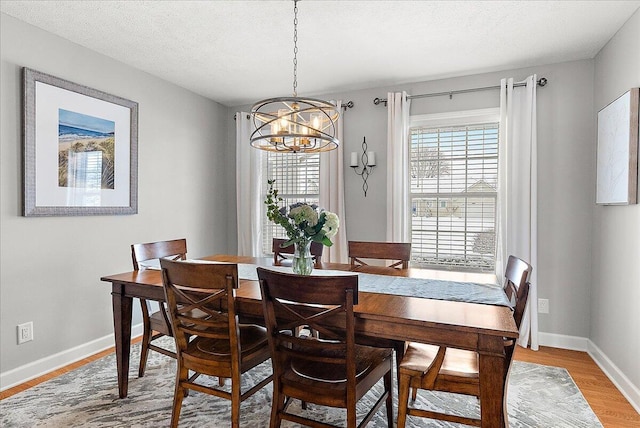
{"x":303,"y":222}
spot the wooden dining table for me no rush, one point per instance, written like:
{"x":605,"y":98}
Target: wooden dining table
{"x":379,"y":316}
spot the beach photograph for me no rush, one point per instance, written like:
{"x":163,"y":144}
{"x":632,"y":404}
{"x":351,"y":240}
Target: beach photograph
{"x":86,"y":151}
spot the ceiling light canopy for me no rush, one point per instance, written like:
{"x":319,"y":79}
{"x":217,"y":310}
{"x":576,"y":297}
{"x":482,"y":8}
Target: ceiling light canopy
{"x":295,"y":124}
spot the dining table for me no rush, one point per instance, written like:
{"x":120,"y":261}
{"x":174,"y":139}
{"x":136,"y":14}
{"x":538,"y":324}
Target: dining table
{"x":391,"y":307}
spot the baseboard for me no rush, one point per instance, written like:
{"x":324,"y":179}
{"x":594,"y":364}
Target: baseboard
{"x":622,"y":382}
{"x":573,"y":343}
{"x":25,"y":373}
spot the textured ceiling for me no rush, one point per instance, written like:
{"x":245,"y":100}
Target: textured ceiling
{"x":237,"y":52}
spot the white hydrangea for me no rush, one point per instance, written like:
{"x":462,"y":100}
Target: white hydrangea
{"x":304,"y":213}
{"x":332,"y":222}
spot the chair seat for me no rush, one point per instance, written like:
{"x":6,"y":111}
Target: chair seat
{"x":325,"y":383}
{"x":252,"y":337}
{"x":457,"y":362}
{"x":158,"y":323}
{"x":314,"y":372}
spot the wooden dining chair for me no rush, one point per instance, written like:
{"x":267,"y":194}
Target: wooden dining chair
{"x":399,"y":253}
{"x":453,"y":370}
{"x":155,"y":322}
{"x":280,"y":253}
{"x":213,"y":342}
{"x":330,"y":371}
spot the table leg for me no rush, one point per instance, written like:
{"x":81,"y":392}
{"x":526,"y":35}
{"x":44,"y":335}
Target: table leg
{"x":122,"y":308}
{"x":399,"y":348}
{"x":492,"y":382}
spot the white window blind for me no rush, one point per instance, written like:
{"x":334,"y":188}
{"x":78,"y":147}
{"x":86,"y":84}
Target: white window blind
{"x":297,"y":178}
{"x":454,"y":171}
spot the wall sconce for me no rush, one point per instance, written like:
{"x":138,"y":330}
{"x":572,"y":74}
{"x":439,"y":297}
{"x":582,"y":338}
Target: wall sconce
{"x":368,"y":163}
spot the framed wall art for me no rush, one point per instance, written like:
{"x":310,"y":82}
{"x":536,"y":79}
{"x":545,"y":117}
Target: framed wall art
{"x":80,"y":149}
{"x":617,"y":151}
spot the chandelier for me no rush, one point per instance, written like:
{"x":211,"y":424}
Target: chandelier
{"x":294,"y":124}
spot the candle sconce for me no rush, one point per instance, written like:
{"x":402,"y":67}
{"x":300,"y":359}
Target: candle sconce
{"x":368,"y":163}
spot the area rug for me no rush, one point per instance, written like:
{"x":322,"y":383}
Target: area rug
{"x":538,"y":396}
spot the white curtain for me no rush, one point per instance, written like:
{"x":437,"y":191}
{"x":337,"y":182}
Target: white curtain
{"x":332,"y":195}
{"x":517,"y":191}
{"x":398,"y":106}
{"x":248,"y":184}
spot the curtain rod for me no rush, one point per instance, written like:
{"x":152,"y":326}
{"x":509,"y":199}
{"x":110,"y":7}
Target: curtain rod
{"x":541,"y":82}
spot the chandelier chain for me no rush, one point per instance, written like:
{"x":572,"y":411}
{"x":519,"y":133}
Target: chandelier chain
{"x":295,"y":48}
{"x":294,"y":124}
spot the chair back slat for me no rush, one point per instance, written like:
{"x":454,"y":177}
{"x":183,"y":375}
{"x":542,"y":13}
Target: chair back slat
{"x":521,"y":303}
{"x":318,"y":289}
{"x":174,"y":249}
{"x":516,"y":278}
{"x":399,"y":253}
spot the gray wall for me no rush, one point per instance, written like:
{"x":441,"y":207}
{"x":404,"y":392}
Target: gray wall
{"x":615,"y":267}
{"x":50,"y":267}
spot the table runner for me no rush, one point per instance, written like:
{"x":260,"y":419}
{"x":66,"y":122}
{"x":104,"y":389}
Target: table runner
{"x":471,"y":292}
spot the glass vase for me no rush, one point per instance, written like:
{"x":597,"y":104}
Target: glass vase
{"x":302,"y":260}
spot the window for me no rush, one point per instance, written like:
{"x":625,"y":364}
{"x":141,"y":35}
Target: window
{"x":453,"y":192}
{"x":297,"y":178}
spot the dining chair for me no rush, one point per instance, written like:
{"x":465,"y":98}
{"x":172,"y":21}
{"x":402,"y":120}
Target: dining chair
{"x":279,"y":252}
{"x":327,"y":371}
{"x":397,"y":252}
{"x":155,"y":322}
{"x":439,"y":368}
{"x":212,"y":342}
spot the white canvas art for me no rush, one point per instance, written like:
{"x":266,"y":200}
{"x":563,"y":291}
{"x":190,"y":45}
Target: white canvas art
{"x":617,"y":156}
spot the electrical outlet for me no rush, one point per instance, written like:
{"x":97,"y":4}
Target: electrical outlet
{"x":543,"y":306}
{"x":25,"y":332}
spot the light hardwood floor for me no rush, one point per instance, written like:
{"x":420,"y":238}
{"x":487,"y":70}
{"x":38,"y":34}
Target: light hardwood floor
{"x":613,"y":410}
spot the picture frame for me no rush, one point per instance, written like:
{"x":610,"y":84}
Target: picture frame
{"x":80,"y":149}
{"x":617,"y":151}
